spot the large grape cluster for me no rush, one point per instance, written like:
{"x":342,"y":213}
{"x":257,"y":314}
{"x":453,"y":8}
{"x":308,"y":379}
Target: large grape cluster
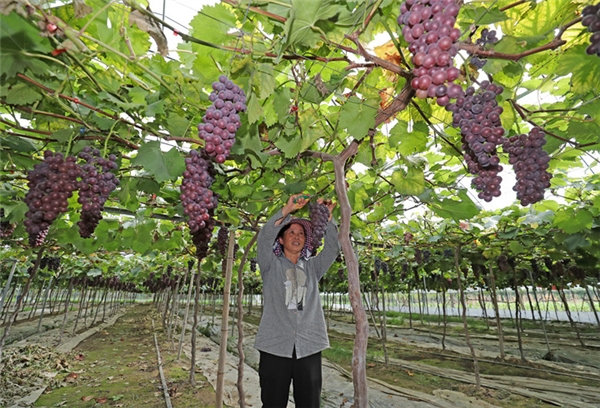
{"x":51,"y":184}
{"x":196,"y":197}
{"x":222,"y":119}
{"x":530,"y":162}
{"x":477,"y":114}
{"x":591,"y":20}
{"x":319,"y":216}
{"x":428,"y":27}
{"x":97,"y":182}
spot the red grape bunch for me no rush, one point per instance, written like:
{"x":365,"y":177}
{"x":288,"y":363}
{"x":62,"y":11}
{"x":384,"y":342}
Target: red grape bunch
{"x":319,"y":216}
{"x":196,"y":197}
{"x":428,"y":27}
{"x":97,"y":182}
{"x":477,"y":114}
{"x":530,"y":162}
{"x":51,"y":184}
{"x":591,"y":20}
{"x":222,"y":119}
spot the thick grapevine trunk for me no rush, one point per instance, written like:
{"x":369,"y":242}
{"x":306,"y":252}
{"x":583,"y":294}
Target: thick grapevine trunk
{"x":533,"y":288}
{"x":185,"y":316}
{"x":496,"y":311}
{"x":48,"y":289}
{"x":240,"y":324}
{"x":518,"y":306}
{"x":464,"y":318}
{"x":359,"y":363}
{"x":225,"y":321}
{"x":67,"y":302}
{"x":195,"y":324}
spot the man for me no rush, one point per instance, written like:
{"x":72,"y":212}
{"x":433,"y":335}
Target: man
{"x":292,"y":331}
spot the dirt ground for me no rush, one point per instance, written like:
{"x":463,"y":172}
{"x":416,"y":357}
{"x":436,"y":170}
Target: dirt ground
{"x":118,"y":354}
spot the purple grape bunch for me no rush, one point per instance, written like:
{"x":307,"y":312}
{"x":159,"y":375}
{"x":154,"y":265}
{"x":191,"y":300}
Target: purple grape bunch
{"x":222,"y":237}
{"x":319,"y":216}
{"x":97,"y":183}
{"x":487,"y":36}
{"x":477,"y":114}
{"x":428,"y":27}
{"x":51,"y":184}
{"x":196,"y":197}
{"x":591,"y":20}
{"x":530,"y":162}
{"x":222,"y":120}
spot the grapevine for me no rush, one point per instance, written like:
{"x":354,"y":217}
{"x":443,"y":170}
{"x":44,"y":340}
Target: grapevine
{"x":428,"y":27}
{"x":222,"y":119}
{"x":530,"y":162}
{"x":51,"y":184}
{"x":97,"y":182}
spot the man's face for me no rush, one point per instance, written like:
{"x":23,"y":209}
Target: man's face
{"x":293,"y":239}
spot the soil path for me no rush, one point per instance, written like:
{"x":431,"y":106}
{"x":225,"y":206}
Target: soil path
{"x":337,"y":387}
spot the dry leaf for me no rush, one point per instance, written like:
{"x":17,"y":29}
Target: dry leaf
{"x":71,"y":377}
{"x":371,"y":365}
{"x":101,"y":400}
{"x":409,"y":373}
{"x":87,"y":398}
{"x":148,"y":25}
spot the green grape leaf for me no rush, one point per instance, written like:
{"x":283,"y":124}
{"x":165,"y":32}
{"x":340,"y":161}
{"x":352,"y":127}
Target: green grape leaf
{"x":163,"y":166}
{"x":409,"y":182}
{"x":572,"y":221}
{"x":357,"y":117}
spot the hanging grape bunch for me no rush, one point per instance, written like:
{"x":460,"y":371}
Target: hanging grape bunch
{"x":253,"y":263}
{"x":319,"y":216}
{"x":196,"y":197}
{"x":222,"y":119}
{"x":487,"y":37}
{"x":591,"y":20}
{"x":477,"y":114}
{"x":222,"y":238}
{"x":530,"y":162}
{"x":97,"y":182}
{"x":51,"y":184}
{"x":428,"y":27}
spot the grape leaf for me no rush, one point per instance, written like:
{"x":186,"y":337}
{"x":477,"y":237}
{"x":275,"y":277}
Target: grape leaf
{"x":20,"y":94}
{"x":572,"y":221}
{"x":357,"y":117}
{"x":584,"y":76}
{"x":454,"y":209}
{"x":300,"y":27}
{"x":409,"y":182}
{"x":163,"y":166}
